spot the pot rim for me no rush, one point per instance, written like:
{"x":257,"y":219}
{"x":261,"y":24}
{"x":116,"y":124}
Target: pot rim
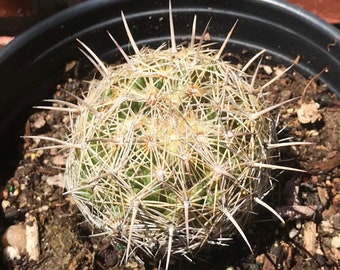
{"x":60,"y":17}
{"x":316,"y":25}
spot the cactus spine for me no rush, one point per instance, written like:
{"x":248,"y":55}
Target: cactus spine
{"x":168,"y":152}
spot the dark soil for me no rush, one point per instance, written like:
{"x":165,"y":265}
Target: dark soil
{"x":309,"y":202}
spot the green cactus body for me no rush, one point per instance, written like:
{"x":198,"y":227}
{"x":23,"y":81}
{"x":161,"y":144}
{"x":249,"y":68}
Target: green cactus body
{"x":168,"y":151}
{"x":169,"y":142}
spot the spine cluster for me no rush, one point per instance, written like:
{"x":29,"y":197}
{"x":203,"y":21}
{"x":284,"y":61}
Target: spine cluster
{"x":169,"y":151}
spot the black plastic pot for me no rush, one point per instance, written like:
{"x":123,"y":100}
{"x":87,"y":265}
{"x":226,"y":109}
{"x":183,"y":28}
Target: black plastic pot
{"x":32,"y":65}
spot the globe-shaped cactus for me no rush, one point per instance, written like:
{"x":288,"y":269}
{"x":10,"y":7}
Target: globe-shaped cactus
{"x":170,"y":151}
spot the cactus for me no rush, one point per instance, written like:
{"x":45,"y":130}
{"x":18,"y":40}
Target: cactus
{"x":170,"y":151}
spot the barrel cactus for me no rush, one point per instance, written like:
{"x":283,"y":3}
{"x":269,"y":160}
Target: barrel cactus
{"x":170,"y":151}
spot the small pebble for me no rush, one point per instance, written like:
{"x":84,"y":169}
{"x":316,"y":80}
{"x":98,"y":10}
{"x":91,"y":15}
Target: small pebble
{"x":39,"y":122}
{"x":312,"y":133}
{"x":59,"y":160}
{"x":56,"y":180}
{"x":336,"y":200}
{"x":268,"y":69}
{"x":43,"y":208}
{"x":308,"y":113}
{"x":298,"y":224}
{"x":132,"y":264}
{"x":290,"y":110}
{"x":323,"y":195}
{"x":335,"y":221}
{"x":293,"y":233}
{"x":15,"y":237}
{"x":11,"y":253}
{"x":278,"y":71}
{"x":5,"y":204}
{"x":326,"y":227}
{"x":335,"y":243}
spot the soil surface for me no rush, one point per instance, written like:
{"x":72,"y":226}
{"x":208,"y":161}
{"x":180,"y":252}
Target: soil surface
{"x":308,"y":201}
